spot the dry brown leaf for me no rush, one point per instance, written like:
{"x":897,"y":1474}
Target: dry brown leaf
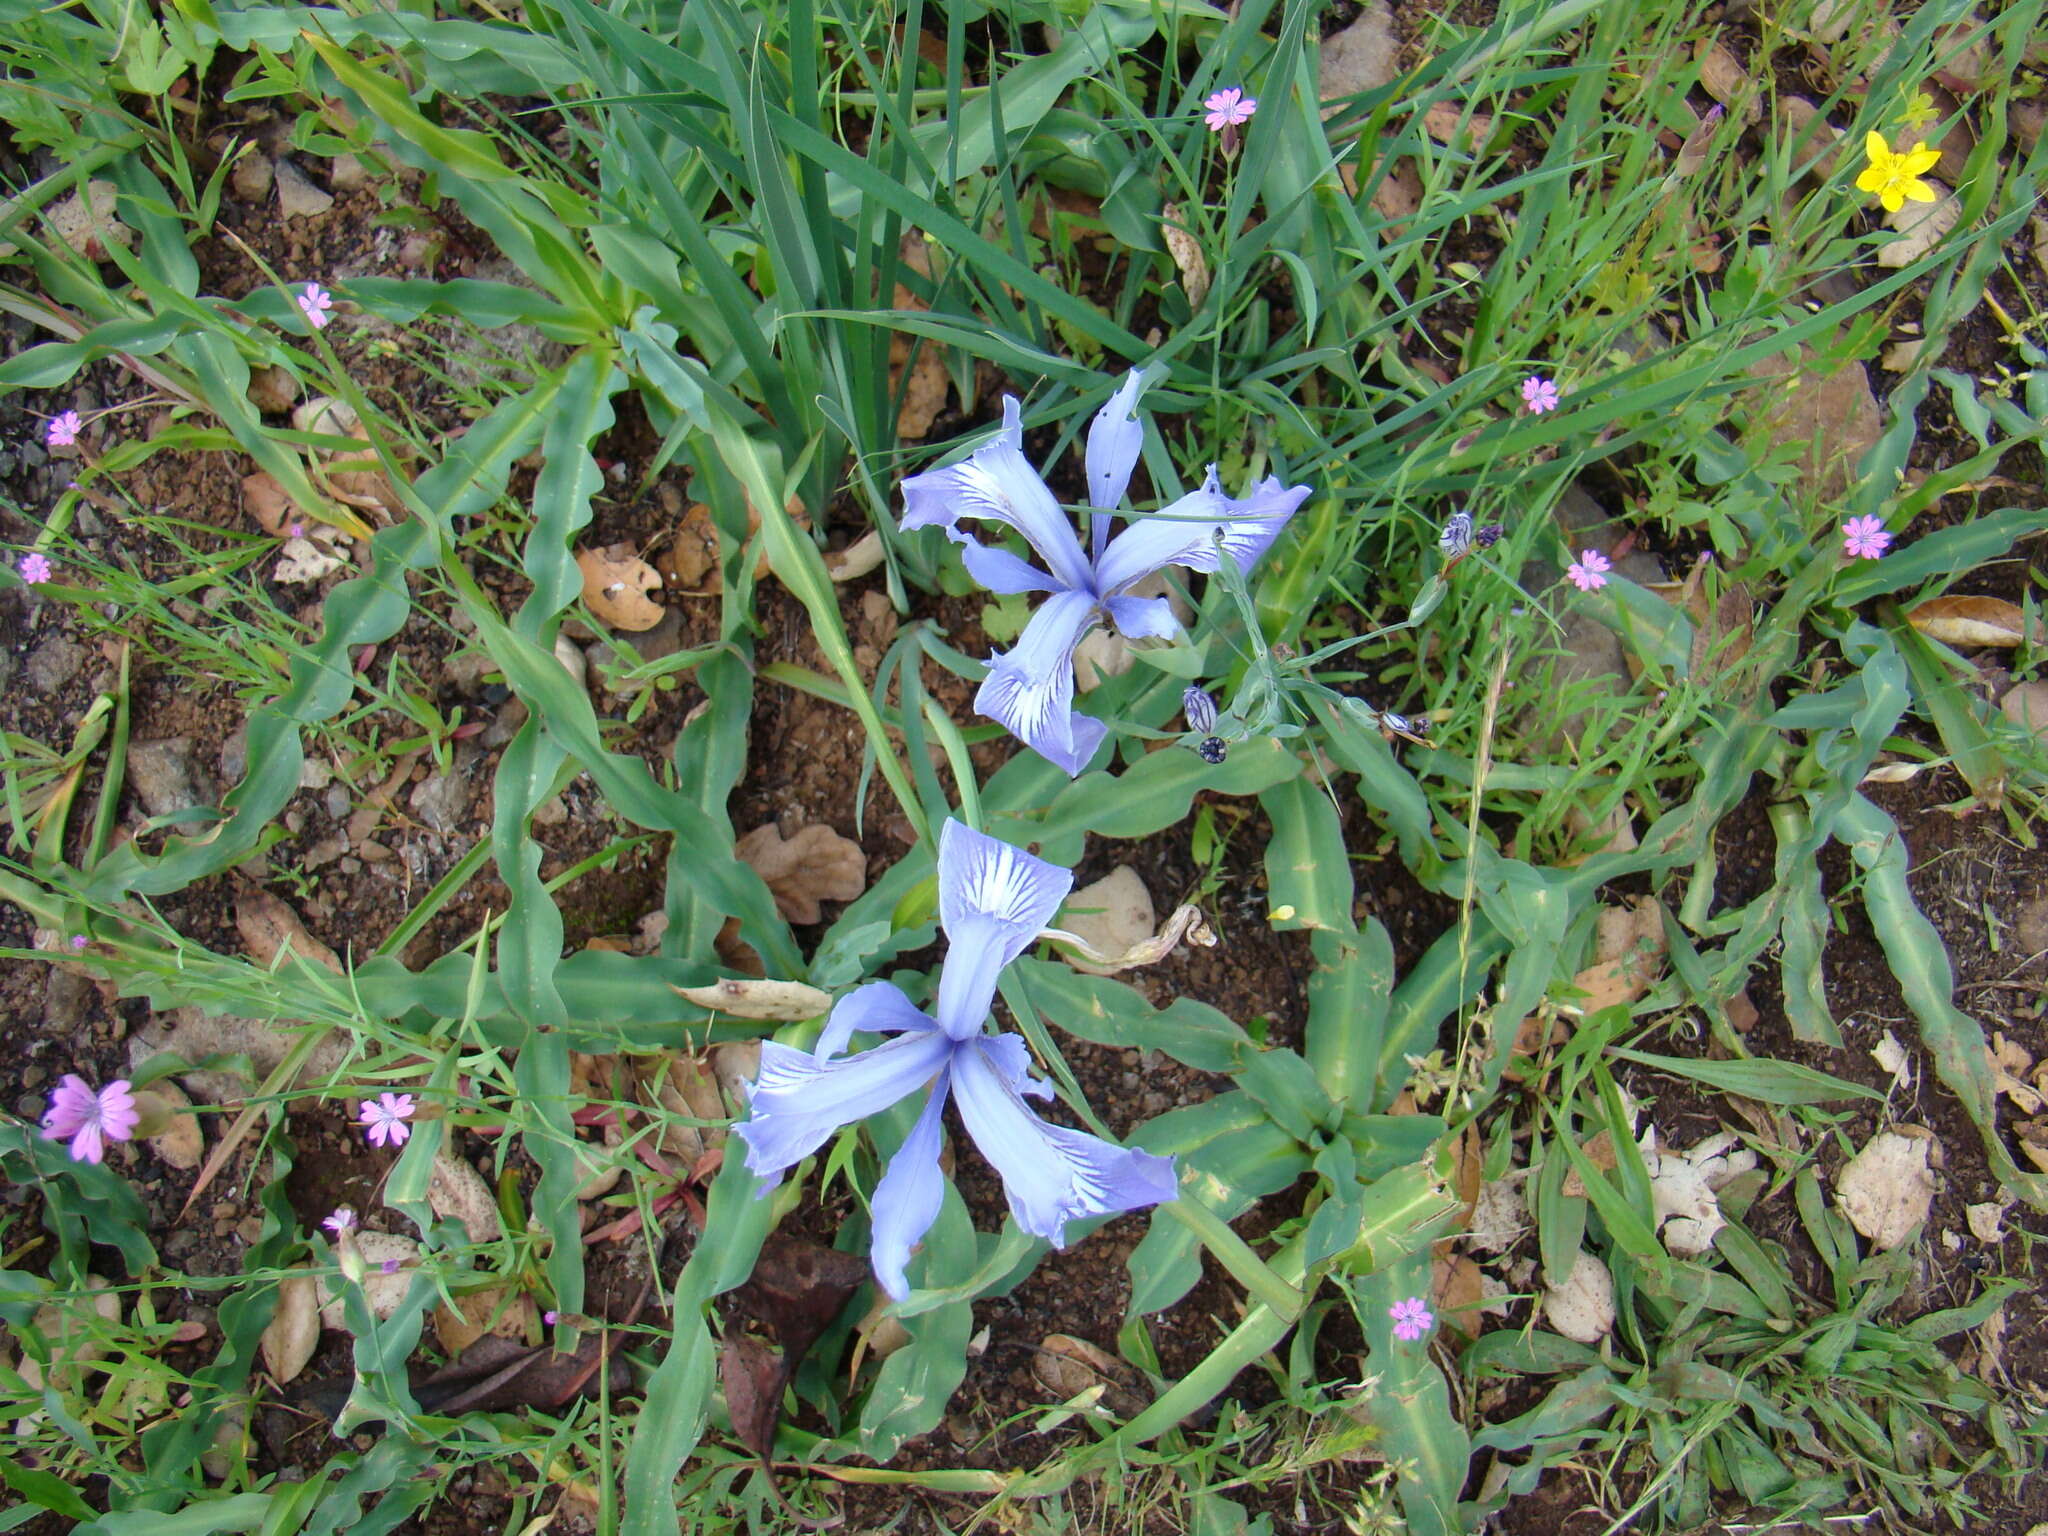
{"x":478,"y":1313}
{"x":1887,"y":1189}
{"x":1905,"y":356}
{"x":1600,"y":1153}
{"x":1069,"y":1367}
{"x":619,"y":587}
{"x":1800,"y":123}
{"x":1955,"y":620}
{"x":267,"y":925}
{"x":1834,"y":415}
{"x":1723,"y":78}
{"x":816,"y":865}
{"x":2033,"y":1136}
{"x":1457,"y":1290}
{"x":1613,"y":833}
{"x":1921,"y":226}
{"x":294,"y":1329}
{"x":1186,"y":252}
{"x":1628,"y":955}
{"x":1990,"y":1341}
{"x":689,"y":561}
{"x":686,"y":1086}
{"x":265,"y":500}
{"x":2009,"y":1064}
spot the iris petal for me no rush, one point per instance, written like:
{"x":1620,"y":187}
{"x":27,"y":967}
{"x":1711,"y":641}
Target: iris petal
{"x":796,"y":1101}
{"x":1186,"y":532}
{"x":875,"y":1009}
{"x":1115,"y":438}
{"x":996,"y":483}
{"x":906,"y":1202}
{"x":1030,"y":689}
{"x":983,"y":876}
{"x":1051,"y":1174}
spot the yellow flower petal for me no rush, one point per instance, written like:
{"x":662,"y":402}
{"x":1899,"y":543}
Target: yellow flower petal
{"x":1875,"y":147}
{"x":1919,"y":191}
{"x":1872,"y":180}
{"x":1891,"y":200}
{"x":1921,"y":159}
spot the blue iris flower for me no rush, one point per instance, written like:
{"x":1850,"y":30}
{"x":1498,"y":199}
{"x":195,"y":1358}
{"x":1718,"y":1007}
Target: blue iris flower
{"x":1030,"y":689}
{"x":993,"y":902}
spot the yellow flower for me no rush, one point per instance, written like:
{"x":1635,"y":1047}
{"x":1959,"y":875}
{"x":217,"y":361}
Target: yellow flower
{"x":1894,"y":178}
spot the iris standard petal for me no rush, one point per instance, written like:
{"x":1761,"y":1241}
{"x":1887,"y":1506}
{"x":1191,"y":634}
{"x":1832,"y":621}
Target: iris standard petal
{"x":1030,"y":689}
{"x":906,"y":1202}
{"x":996,"y":483}
{"x":875,"y":1009}
{"x":1185,"y":533}
{"x":1011,"y":1057}
{"x":797,"y":1101}
{"x":1051,"y":1174}
{"x":983,"y":876}
{"x":1115,"y":438}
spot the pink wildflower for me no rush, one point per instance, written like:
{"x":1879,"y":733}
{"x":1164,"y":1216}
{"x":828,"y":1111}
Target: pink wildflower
{"x":384,"y":1119}
{"x":1412,"y":1319}
{"x":1865,"y":538}
{"x":1589,"y":572}
{"x":63,"y":429}
{"x":79,"y":941}
{"x":1539,"y":394}
{"x":34,"y":568}
{"x":315,"y":303}
{"x":389,"y":1267}
{"x":1229,"y":109}
{"x":343,"y":1220}
{"x":88,"y":1119}
{"x":551,"y":1317}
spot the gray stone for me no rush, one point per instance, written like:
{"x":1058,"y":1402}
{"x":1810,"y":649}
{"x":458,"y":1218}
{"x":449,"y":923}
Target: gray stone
{"x":441,"y":802}
{"x":234,"y":756}
{"x":66,"y":1002}
{"x":298,"y":198}
{"x":163,"y":775}
{"x":54,"y":663}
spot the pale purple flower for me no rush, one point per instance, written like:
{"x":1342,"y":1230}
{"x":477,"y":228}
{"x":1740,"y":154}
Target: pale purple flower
{"x":89,"y":1119}
{"x":79,"y":941}
{"x":1031,"y":689}
{"x":1412,"y":1319}
{"x":993,"y":901}
{"x":1865,"y":538}
{"x":34,"y":568}
{"x":343,"y":1220}
{"x":315,"y":303}
{"x":551,"y":1317}
{"x":63,"y":429}
{"x":1539,"y":394}
{"x":389,"y":1267}
{"x":1589,"y":572}
{"x":295,"y":531}
{"x":384,"y":1119}
{"x":1229,"y":108}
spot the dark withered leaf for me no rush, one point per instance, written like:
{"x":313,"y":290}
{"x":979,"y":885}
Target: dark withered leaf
{"x":798,"y":1287}
{"x":753,"y":1377}
{"x":495,"y":1373}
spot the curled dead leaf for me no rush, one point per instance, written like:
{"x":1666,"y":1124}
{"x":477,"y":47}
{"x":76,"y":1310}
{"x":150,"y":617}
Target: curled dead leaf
{"x":180,"y":1143}
{"x":619,"y":587}
{"x":860,"y":557}
{"x":457,"y":1191}
{"x":1921,"y":227}
{"x":1960,"y":620}
{"x":1723,"y":78}
{"x":815,"y":865}
{"x":477,"y":1314}
{"x":780,"y":1001}
{"x":1628,"y":954}
{"x":1186,"y":252}
{"x":1069,"y":1367}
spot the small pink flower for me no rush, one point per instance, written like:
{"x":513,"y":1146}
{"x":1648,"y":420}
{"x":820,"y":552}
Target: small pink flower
{"x":1539,"y":394}
{"x":79,"y":941}
{"x":296,"y":531}
{"x":34,"y":568}
{"x":551,"y":1317}
{"x":315,"y":303}
{"x":343,"y":1220}
{"x":1589,"y":572}
{"x":63,"y":429}
{"x":1412,"y":1319}
{"x":1865,"y":538}
{"x":389,"y":1266}
{"x":1229,"y":109}
{"x":88,"y":1119}
{"x":384,"y":1119}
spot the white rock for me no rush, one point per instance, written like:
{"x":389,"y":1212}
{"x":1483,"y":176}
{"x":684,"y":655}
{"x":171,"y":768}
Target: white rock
{"x":1887,"y":1189}
{"x":1582,"y":1309}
